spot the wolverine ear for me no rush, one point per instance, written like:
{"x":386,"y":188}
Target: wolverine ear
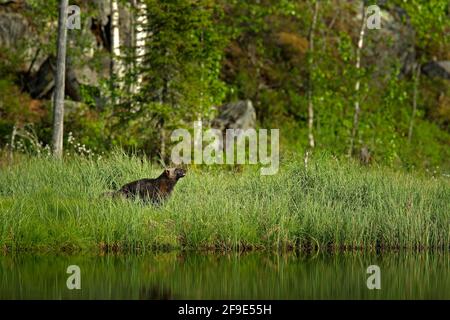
{"x":169,"y":172}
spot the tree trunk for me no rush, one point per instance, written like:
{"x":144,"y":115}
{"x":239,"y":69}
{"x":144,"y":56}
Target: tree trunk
{"x":58,"y":102}
{"x":12,"y":146}
{"x":116,"y":65}
{"x":416,"y":86}
{"x":310,"y":78}
{"x":357,"y":85}
{"x":140,"y":39}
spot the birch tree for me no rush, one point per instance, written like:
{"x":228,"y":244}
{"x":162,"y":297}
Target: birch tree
{"x":310,"y":78}
{"x":414,"y":104}
{"x":358,"y":81}
{"x":58,"y":102}
{"x":141,"y":34}
{"x":116,"y":64}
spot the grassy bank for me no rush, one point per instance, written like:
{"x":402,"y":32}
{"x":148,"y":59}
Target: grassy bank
{"x":51,"y":205}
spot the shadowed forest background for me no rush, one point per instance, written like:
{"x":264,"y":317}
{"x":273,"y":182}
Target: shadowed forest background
{"x":138,"y":69}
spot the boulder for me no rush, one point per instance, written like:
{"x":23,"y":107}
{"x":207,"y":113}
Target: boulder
{"x":437,"y":69}
{"x":235,"y":115}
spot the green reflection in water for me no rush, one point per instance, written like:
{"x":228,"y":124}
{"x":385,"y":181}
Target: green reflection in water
{"x":177,"y":275}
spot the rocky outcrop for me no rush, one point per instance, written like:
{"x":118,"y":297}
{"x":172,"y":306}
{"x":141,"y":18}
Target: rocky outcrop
{"x":42,"y":83}
{"x":15,"y":34}
{"x":394,"y":42}
{"x":13,"y":28}
{"x":92,"y":63}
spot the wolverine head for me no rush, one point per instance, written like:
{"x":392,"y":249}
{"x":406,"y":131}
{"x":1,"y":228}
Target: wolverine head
{"x":174,"y":173}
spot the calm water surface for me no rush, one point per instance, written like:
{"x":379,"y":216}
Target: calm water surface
{"x":179,"y":275}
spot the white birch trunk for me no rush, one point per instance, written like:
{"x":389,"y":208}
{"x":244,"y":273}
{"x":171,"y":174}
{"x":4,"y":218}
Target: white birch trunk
{"x":310,"y":80}
{"x":116,"y":64}
{"x":140,"y":39}
{"x":358,"y":82}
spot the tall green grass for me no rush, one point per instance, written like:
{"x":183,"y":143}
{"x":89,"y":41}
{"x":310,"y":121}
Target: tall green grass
{"x":49,"y":205}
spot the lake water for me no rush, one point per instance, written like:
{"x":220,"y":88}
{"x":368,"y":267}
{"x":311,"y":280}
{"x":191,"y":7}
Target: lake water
{"x":178,"y":275}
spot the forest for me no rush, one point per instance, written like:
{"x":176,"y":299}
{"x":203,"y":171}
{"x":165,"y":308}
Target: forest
{"x":136,"y":70}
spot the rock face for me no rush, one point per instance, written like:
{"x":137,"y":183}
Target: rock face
{"x":437,"y":69}
{"x":93,"y":44}
{"x":42,"y":83}
{"x":13,"y":27}
{"x":235,"y":115}
{"x":15,"y":32}
{"x":394,"y":41}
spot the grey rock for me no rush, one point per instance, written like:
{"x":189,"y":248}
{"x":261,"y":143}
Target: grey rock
{"x":37,"y":69}
{"x":13,"y":28}
{"x":394,"y":42}
{"x":437,"y":69}
{"x":16,"y":34}
{"x":236,"y":115}
{"x":41,"y":84}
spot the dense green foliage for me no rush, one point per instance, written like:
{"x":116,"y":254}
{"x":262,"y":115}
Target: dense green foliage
{"x":51,"y":205}
{"x":200,"y":54}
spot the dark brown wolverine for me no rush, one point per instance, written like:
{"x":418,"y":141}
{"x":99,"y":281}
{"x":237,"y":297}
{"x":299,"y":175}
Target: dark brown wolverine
{"x":152,"y":190}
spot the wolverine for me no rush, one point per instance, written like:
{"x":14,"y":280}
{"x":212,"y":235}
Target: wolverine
{"x":153,"y":191}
